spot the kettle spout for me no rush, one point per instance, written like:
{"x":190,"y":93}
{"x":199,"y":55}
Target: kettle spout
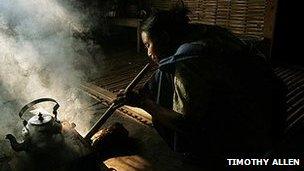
{"x":15,"y":145}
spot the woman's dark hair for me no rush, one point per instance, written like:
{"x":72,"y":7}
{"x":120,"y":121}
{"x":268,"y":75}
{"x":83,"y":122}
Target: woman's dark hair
{"x":173,"y":22}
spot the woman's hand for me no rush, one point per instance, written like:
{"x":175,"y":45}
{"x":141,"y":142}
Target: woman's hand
{"x":130,"y":98}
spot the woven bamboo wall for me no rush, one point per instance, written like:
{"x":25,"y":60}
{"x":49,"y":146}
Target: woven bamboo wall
{"x":161,"y":4}
{"x":243,"y":17}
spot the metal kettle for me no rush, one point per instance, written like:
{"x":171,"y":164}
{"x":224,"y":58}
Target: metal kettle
{"x":41,"y":133}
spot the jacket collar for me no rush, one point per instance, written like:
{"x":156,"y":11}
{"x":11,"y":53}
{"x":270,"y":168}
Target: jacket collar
{"x":184,"y":52}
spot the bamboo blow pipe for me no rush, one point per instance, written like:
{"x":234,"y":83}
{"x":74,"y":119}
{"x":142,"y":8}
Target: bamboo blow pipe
{"x":104,"y":117}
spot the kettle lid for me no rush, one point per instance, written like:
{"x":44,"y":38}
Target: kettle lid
{"x":42,"y":117}
{"x":39,"y":119}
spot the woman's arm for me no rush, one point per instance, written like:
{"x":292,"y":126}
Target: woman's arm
{"x":166,"y":117}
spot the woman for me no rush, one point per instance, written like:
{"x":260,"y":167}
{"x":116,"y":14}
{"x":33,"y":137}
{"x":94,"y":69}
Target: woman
{"x":212,"y":95}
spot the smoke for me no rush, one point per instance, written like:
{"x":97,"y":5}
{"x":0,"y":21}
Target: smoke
{"x":40,"y":57}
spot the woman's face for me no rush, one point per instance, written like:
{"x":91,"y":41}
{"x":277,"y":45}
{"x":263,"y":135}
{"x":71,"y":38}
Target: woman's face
{"x":151,"y":47}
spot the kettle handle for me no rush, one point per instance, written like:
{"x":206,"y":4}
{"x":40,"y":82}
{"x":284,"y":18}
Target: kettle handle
{"x":29,"y":105}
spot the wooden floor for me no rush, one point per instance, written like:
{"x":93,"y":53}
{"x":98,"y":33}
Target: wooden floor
{"x":293,"y":77}
{"x":119,"y":69}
